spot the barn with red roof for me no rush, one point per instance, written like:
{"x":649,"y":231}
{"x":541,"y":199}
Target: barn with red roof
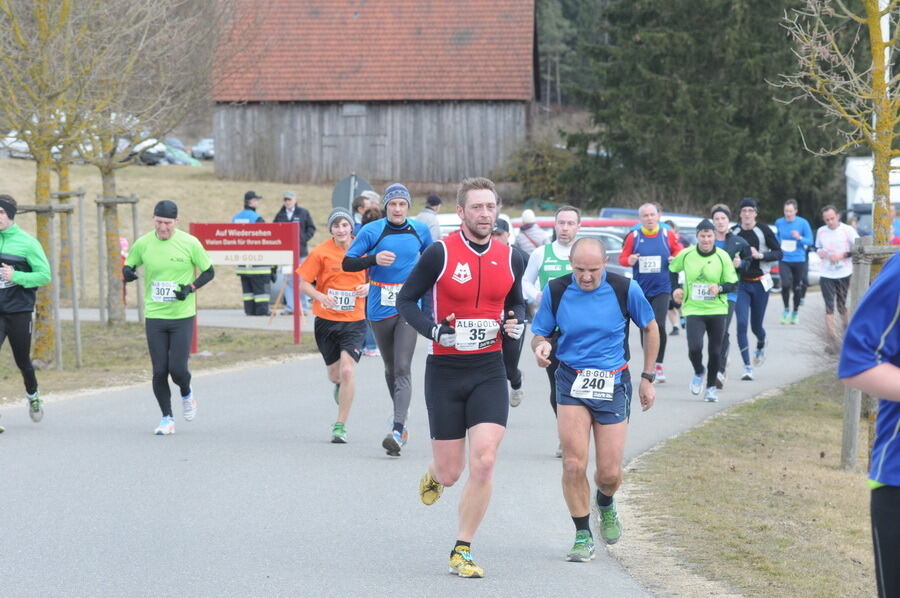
{"x":408,"y":90}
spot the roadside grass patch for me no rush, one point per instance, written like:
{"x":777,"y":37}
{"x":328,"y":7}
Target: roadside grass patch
{"x":755,"y":498}
{"x":117,"y":356}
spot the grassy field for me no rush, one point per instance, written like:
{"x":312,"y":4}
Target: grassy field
{"x":201,"y":197}
{"x":755,"y":500}
{"x":118,"y":356}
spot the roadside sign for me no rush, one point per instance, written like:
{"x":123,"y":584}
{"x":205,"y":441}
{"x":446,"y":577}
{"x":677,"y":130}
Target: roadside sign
{"x":347,"y":190}
{"x":263,"y":243}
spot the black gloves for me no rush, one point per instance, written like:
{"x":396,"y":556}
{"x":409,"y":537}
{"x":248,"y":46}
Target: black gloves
{"x":183,"y":291}
{"x":274,"y":275}
{"x":129,"y":274}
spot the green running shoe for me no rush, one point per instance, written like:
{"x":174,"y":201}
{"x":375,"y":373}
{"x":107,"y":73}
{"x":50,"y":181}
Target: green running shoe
{"x":583,"y":549}
{"x":786,"y":316}
{"x":795,"y":317}
{"x":338,"y":433}
{"x":609,"y":524}
{"x":35,"y":408}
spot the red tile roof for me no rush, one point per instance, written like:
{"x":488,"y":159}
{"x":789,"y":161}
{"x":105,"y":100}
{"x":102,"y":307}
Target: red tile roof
{"x":382,"y":50}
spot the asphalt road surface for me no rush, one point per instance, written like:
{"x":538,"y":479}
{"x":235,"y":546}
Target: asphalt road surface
{"x":251,"y":499}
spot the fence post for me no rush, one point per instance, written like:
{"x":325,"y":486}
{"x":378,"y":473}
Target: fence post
{"x":859,"y":282}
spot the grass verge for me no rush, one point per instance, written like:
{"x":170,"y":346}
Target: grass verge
{"x":756,"y":502}
{"x":118,"y":356}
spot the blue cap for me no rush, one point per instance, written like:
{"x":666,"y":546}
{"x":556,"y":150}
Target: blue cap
{"x":396,"y":191}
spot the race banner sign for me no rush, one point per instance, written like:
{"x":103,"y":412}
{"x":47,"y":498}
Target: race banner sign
{"x":270,"y":244}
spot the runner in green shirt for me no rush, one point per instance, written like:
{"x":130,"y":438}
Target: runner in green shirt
{"x":171,"y":259}
{"x":23,"y":268}
{"x":709,"y":275}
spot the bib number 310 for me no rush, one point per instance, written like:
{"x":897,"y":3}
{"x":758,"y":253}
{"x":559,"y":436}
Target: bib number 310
{"x":594,"y":384}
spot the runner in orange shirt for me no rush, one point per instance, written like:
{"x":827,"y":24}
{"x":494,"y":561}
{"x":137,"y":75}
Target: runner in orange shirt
{"x":340,"y":310}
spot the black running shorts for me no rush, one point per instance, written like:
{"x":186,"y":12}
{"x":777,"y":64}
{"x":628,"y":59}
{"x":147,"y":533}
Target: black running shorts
{"x":333,"y":337}
{"x":464,"y":390}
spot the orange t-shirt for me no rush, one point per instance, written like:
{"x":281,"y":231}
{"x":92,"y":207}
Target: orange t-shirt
{"x":323,"y":269}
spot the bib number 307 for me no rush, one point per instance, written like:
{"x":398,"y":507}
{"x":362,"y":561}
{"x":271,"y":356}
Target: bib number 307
{"x":594,"y":384}
{"x":163,"y":292}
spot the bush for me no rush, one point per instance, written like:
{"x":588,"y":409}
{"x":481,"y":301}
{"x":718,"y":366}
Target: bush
{"x":538,"y":167}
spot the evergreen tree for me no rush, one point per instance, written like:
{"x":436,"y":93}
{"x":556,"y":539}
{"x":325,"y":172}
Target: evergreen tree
{"x":683,"y":106}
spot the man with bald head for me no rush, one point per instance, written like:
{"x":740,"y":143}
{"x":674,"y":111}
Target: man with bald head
{"x":648,"y":250}
{"x":592,"y":308}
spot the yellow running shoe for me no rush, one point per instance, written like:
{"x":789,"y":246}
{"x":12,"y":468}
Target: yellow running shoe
{"x":461,"y":563}
{"x":429,"y":489}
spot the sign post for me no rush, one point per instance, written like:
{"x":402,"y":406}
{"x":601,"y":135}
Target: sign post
{"x":269,"y":243}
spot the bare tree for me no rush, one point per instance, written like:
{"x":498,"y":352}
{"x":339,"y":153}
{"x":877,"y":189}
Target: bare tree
{"x":49,"y":53}
{"x":851,"y":83}
{"x":167,"y":52}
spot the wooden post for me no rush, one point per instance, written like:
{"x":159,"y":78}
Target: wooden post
{"x":76,"y":319}
{"x":140,"y":289}
{"x":859,"y":282}
{"x":101,"y":263}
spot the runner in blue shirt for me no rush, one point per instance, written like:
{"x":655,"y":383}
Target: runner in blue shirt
{"x":389,"y":247}
{"x":870,"y":361}
{"x":592,"y":308}
{"x":795,"y":236}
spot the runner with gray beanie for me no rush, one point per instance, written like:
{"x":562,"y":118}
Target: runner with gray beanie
{"x":389,"y":248}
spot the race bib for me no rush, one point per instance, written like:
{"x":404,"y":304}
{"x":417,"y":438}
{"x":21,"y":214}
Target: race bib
{"x":389,"y":294}
{"x":5,"y":284}
{"x":473,"y":334}
{"x":767,"y":282}
{"x":596,"y":385}
{"x":343,"y":300}
{"x":702,"y":292}
{"x":789,"y":245}
{"x":163,"y":292}
{"x":649,"y":264}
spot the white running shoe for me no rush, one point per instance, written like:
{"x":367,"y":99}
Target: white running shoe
{"x":711,"y":395}
{"x":516,"y":396}
{"x":696,"y":384}
{"x":166,"y":426}
{"x":748,"y":373}
{"x":189,"y":406}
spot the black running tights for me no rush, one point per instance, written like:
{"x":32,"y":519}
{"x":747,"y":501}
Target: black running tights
{"x":169,"y":342}
{"x":17,"y":328}
{"x":714,"y":328}
{"x":885,"y":507}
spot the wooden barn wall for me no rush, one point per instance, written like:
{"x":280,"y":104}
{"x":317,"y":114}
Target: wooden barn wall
{"x":321,"y":142}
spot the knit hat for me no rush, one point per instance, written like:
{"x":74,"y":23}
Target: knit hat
{"x":338,"y":213}
{"x":705,"y":224}
{"x":722,"y":209}
{"x":748,"y":202}
{"x":434,"y":200}
{"x":8,"y":207}
{"x":397,"y":191}
{"x":528,"y":217}
{"x":166,"y":209}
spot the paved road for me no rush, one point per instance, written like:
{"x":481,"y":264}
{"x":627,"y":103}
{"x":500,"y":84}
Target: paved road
{"x":251,"y":499}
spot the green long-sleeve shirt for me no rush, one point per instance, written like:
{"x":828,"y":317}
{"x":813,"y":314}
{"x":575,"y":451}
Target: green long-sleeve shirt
{"x":700,"y":271}
{"x":31,"y":270}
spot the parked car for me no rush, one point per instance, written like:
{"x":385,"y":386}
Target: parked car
{"x":450,"y":222}
{"x":151,"y":152}
{"x":205,"y":149}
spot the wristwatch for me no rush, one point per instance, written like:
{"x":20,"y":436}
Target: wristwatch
{"x":646,"y":376}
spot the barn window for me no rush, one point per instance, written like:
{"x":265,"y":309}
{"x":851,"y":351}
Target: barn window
{"x":353,"y":110}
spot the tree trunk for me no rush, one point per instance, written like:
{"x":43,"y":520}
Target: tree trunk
{"x":549,"y":81}
{"x":65,"y":243}
{"x":558,"y":90}
{"x":115,"y":303}
{"x":882,"y":213}
{"x":43,"y":348}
